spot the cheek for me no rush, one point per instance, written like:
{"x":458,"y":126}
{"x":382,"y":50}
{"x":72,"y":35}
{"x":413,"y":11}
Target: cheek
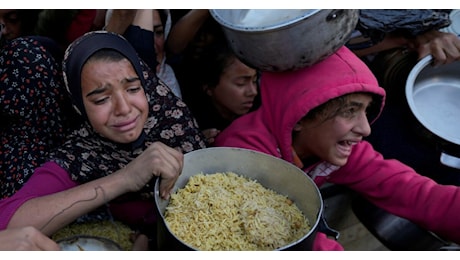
{"x":97,"y":116}
{"x":140,"y":101}
{"x":226,"y":97}
{"x":341,"y":127}
{"x":159,"y":42}
{"x":144,"y":107}
{"x":229,"y":92}
{"x":324,"y":136}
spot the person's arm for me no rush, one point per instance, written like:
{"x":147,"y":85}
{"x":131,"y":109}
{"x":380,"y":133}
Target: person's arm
{"x":56,"y":179}
{"x":398,"y":189}
{"x":389,"y":42}
{"x":141,"y":36}
{"x":119,"y":20}
{"x":144,"y":19}
{"x":443,"y":46}
{"x":185,"y":29}
{"x":210,"y":134}
{"x":26,"y":239}
{"x":54,"y":211}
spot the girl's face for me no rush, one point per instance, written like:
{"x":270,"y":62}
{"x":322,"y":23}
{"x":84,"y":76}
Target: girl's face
{"x":159,"y":35}
{"x":234,"y":94}
{"x":332,"y":139}
{"x":114,"y":99}
{"x":11,"y":28}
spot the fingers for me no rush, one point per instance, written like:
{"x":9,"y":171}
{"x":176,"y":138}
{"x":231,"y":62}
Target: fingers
{"x":168,"y":165}
{"x":46,"y":244}
{"x":157,"y":160}
{"x":443,"y":47}
{"x":141,"y":243}
{"x":40,"y":241}
{"x":26,"y":239}
{"x":210,"y":134}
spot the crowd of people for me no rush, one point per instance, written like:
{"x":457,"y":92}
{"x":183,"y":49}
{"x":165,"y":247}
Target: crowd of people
{"x":101,"y":106}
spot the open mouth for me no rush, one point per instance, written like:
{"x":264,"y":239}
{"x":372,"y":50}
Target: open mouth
{"x":345,"y":147}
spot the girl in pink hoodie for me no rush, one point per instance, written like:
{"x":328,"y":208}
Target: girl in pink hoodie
{"x":317,"y":117}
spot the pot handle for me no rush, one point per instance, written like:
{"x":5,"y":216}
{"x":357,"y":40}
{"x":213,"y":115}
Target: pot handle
{"x":334,"y":15}
{"x":324,"y":228}
{"x":450,"y":160}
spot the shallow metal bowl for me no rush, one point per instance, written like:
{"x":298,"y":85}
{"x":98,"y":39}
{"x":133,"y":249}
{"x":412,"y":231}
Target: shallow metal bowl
{"x":433,"y":95}
{"x":88,"y":243}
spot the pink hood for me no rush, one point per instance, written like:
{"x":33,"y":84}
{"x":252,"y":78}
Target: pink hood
{"x":389,"y":184}
{"x":288,"y":96}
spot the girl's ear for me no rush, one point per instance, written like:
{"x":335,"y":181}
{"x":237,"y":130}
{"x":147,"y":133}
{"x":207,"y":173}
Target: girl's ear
{"x":298,"y":126}
{"x":206,"y":89}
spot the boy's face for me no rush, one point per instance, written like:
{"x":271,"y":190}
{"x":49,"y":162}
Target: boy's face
{"x":332,"y":139}
{"x":114,"y":99}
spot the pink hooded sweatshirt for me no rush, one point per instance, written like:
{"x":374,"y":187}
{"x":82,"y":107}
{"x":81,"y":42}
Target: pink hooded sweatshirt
{"x":391,"y":185}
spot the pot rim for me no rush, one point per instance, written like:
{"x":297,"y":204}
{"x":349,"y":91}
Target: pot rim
{"x":96,"y":241}
{"x":277,"y":25}
{"x":410,"y":83}
{"x":314,"y":224}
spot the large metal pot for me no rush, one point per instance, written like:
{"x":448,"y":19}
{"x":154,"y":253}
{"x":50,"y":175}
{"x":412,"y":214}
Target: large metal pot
{"x":285,"y":39}
{"x":433,"y":95}
{"x":271,"y":172}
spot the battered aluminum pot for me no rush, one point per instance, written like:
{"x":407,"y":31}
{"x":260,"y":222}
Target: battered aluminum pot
{"x":433,"y":95}
{"x":273,"y":173}
{"x":285,"y":39}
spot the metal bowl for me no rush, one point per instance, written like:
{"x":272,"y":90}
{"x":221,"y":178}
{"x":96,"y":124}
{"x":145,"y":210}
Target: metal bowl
{"x":285,"y":39}
{"x":88,"y":243}
{"x":273,"y":173}
{"x":433,"y":95}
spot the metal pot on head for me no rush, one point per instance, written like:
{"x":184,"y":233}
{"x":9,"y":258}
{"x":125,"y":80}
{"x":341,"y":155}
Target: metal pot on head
{"x":285,"y":39}
{"x":433,"y":95}
{"x":273,"y":173}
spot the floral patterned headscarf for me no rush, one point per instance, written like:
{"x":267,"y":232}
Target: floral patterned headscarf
{"x":34,"y":110}
{"x":87,"y":155}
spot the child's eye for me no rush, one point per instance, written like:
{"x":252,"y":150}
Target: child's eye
{"x":349,"y":112}
{"x":134,"y":89}
{"x":100,"y":101}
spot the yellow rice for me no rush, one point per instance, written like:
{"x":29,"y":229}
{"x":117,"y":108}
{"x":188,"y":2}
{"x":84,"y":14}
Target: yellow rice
{"x":226,"y":211}
{"x":113,"y":230}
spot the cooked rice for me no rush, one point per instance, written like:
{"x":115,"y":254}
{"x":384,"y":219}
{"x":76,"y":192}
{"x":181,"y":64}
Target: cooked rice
{"x":112,"y":230}
{"x":226,"y":211}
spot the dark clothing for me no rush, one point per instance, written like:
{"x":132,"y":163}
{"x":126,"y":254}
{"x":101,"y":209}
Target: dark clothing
{"x":143,"y":42}
{"x":34,"y":110}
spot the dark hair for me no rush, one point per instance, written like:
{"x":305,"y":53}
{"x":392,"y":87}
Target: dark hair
{"x":332,"y":108}
{"x":327,"y":110}
{"x":106,"y":55}
{"x":28,"y":19}
{"x":163,"y":16}
{"x":213,"y":63}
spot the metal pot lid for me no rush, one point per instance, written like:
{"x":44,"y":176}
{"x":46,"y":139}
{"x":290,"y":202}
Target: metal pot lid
{"x":433,"y":96}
